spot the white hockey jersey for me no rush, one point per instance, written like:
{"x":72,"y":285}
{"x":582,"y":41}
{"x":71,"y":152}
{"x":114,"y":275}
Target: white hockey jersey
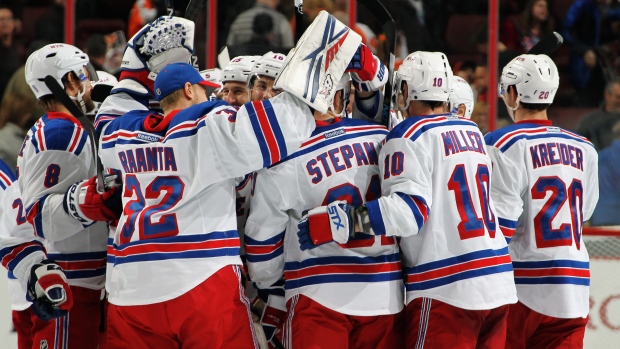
{"x":56,"y":154}
{"x":338,"y":162}
{"x":20,"y":249}
{"x":545,"y":185}
{"x":179,"y":223}
{"x":435,"y":184}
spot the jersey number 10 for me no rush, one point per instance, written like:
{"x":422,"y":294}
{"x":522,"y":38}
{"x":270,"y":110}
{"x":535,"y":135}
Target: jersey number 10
{"x":471,"y":225}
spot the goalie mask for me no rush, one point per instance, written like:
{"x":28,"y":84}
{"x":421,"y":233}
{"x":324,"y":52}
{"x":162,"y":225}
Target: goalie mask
{"x":428,"y":76}
{"x":461,"y":93}
{"x":266,"y":68}
{"x":535,"y":78}
{"x":58,"y":60}
{"x":166,"y":40}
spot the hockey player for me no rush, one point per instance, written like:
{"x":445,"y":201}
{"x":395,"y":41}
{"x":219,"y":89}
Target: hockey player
{"x":435,"y":180}
{"x":355,"y":288}
{"x":544,"y":185}
{"x":234,"y":80}
{"x":263,"y":74}
{"x":214,"y":75}
{"x":20,"y":249}
{"x":461,"y":98}
{"x":63,"y":205}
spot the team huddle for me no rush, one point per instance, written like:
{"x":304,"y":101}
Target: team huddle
{"x":265,"y":205}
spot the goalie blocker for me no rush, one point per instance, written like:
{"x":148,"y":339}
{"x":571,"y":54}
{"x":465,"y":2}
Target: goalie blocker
{"x":313,"y":68}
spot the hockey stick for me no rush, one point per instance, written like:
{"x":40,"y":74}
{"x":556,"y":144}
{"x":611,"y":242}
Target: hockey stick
{"x":547,"y":45}
{"x":193,"y":9}
{"x":389,"y":30}
{"x":60,"y":94}
{"x":299,"y":19}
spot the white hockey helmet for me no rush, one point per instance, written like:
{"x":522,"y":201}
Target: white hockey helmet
{"x":535,"y":77}
{"x":269,"y":65}
{"x":212,"y":75}
{"x":238,"y":69}
{"x":57,"y":60}
{"x":102,"y":87}
{"x":428,"y":76}
{"x":345,"y":85}
{"x":461,"y":93}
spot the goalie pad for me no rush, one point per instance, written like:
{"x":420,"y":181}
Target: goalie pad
{"x":313,"y":68}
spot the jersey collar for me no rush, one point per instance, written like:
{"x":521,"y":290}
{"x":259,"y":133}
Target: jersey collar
{"x":157,"y":123}
{"x":320,"y":123}
{"x":536,"y":121}
{"x":60,"y":115}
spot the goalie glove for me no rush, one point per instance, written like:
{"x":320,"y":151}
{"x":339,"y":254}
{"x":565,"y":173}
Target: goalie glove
{"x":166,"y":40}
{"x":273,"y":314}
{"x":49,"y":291}
{"x":85,"y":204}
{"x":367,"y":71}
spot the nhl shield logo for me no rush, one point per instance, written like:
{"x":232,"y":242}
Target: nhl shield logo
{"x":43,"y":344}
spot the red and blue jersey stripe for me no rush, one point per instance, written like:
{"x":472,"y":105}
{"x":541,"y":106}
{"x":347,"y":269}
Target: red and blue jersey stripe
{"x":416,"y":203}
{"x":214,"y":244}
{"x":81,"y":265}
{"x":508,"y":227}
{"x":560,"y":271}
{"x":6,"y":176}
{"x":446,"y":271}
{"x":342,"y":269}
{"x":266,"y":250}
{"x":58,"y":131}
{"x":267,"y":131}
{"x":13,"y":255}
{"x":504,"y":138}
{"x":413,"y":127}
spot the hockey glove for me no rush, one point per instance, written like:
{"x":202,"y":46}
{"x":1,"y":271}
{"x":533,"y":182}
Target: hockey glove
{"x":367,"y":70}
{"x":324,"y":224}
{"x":166,"y":40}
{"x":49,"y":291}
{"x":85,"y":204}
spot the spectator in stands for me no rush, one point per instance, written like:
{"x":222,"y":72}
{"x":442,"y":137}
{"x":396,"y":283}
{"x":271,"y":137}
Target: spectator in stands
{"x":597,"y":125}
{"x":480,"y":116}
{"x":142,"y":12}
{"x":261,"y":41}
{"x":466,"y":70}
{"x":582,"y":31}
{"x":607,"y":210}
{"x":50,"y":26}
{"x":534,"y":23}
{"x":18,"y":111}
{"x":96,"y":49}
{"x":480,"y":83}
{"x":9,"y":51}
{"x":241,"y":30}
{"x":16,"y":117}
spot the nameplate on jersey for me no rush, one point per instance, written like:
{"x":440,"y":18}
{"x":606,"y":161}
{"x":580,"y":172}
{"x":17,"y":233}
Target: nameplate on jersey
{"x":461,"y":141}
{"x":328,"y":161}
{"x":157,"y":158}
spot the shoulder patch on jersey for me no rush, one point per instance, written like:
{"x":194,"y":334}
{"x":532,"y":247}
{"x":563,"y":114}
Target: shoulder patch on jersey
{"x":60,"y":134}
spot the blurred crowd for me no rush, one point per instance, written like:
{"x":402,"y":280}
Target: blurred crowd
{"x":588,"y":100}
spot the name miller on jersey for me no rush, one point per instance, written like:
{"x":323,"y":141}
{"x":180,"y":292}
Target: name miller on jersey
{"x":340,"y":159}
{"x":453,"y":144}
{"x":547,"y":154}
{"x":148,"y":159}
